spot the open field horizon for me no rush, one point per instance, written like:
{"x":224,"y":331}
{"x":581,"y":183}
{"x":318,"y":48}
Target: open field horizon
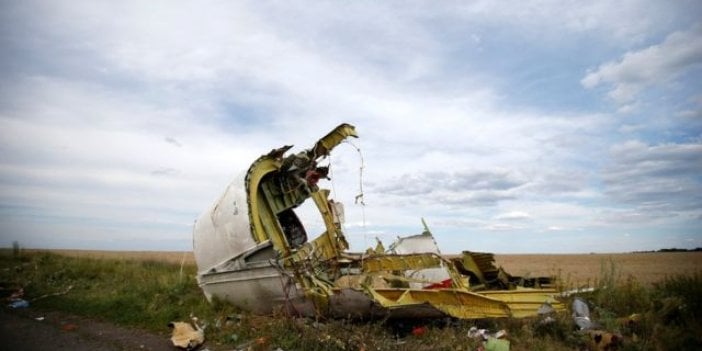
{"x":144,"y":290}
{"x":575,"y":270}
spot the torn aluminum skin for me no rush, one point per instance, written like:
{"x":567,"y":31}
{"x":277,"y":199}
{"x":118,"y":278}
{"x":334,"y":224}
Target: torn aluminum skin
{"x":253,"y":251}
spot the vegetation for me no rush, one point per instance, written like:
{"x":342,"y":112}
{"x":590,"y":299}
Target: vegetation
{"x":147,"y":294}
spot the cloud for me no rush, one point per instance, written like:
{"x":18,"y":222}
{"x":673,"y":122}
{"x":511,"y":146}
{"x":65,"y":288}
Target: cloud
{"x":135,"y":123}
{"x":642,"y":174}
{"x":471,"y":187}
{"x":679,"y":53}
{"x":172,"y":140}
{"x":513,"y":216}
{"x":629,"y":22}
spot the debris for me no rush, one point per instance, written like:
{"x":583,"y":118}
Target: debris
{"x":419,"y":330}
{"x":252,"y":250}
{"x":475,"y":333}
{"x":69,"y":327}
{"x":494,"y":344}
{"x":501,"y":334}
{"x":186,"y":336}
{"x":581,"y":314}
{"x":602,"y":340}
{"x":64,"y":292}
{"x":546,"y":308}
{"x":19,"y":303}
{"x":40,"y":319}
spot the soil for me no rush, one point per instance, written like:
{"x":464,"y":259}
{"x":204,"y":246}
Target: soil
{"x":29,"y":329}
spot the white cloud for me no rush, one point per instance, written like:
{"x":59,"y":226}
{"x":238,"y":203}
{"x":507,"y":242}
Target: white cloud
{"x":657,"y":64}
{"x":141,"y":119}
{"x":631,"y":21}
{"x":513,"y":216}
{"x":643,"y":174}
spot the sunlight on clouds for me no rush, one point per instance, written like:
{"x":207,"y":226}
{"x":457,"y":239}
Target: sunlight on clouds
{"x":655,"y":65}
{"x":125,"y":127}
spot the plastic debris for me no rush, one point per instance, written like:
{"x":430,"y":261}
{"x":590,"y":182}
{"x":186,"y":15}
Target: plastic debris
{"x":186,"y":336}
{"x":581,"y":314}
{"x":19,"y":303}
{"x":419,"y":330}
{"x":546,"y":308}
{"x":495,"y":344}
{"x":39,"y":319}
{"x":475,"y":333}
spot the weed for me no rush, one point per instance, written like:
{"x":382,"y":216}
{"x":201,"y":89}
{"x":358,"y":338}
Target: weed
{"x":150,"y":293}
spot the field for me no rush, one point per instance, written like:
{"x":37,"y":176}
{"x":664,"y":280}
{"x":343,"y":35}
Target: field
{"x":574,"y":269}
{"x":146,"y":290}
{"x":585,"y":269}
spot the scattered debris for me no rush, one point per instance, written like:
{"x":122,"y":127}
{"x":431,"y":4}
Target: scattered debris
{"x":186,"y":336}
{"x":252,"y":250}
{"x":602,"y":340}
{"x":484,"y":334}
{"x":581,"y":314}
{"x":475,"y":333}
{"x":490,"y":342}
{"x":495,"y":344}
{"x":419,"y":330}
{"x":545,"y":309}
{"x":19,"y":303}
{"x":64,"y":292}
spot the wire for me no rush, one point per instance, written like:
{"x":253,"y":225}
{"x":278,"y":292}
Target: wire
{"x":359,"y":197}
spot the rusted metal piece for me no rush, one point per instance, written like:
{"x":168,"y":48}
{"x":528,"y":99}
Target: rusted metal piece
{"x":252,"y":250}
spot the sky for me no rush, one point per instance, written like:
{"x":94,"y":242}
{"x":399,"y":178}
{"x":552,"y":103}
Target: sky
{"x":508,"y":126}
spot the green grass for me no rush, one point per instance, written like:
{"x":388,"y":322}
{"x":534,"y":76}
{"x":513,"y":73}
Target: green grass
{"x":149,"y":294}
{"x":143,"y":294}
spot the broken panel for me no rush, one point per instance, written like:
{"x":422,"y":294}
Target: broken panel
{"x":252,"y":250}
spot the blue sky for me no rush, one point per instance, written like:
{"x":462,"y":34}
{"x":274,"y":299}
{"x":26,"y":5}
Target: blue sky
{"x":551,"y":126}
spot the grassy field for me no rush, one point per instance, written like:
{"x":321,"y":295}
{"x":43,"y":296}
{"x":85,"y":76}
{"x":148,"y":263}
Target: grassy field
{"x":584,"y":269}
{"x":147,"y":290}
{"x":574,"y":269}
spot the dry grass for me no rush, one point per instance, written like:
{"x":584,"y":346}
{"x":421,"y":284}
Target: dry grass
{"x":159,"y":256}
{"x":574,"y":269}
{"x":584,"y":269}
{"x":133,"y":288}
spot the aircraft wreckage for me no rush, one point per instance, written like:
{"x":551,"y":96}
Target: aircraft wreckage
{"x":252,"y":250}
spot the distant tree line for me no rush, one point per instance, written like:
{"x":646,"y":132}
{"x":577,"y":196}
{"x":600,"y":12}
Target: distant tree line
{"x":672,"y":250}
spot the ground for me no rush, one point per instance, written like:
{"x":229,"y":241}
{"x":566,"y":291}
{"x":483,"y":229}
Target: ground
{"x":21,"y":330}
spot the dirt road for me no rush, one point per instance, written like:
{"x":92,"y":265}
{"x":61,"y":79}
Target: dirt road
{"x":29,"y":330}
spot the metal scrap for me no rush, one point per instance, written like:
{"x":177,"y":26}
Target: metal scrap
{"x":252,"y":250}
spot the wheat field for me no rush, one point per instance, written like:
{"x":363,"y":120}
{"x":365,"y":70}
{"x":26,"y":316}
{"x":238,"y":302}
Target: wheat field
{"x":574,"y":269}
{"x":584,"y":269}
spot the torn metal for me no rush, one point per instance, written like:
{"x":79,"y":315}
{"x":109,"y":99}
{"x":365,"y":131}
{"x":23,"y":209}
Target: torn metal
{"x":252,"y":250}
